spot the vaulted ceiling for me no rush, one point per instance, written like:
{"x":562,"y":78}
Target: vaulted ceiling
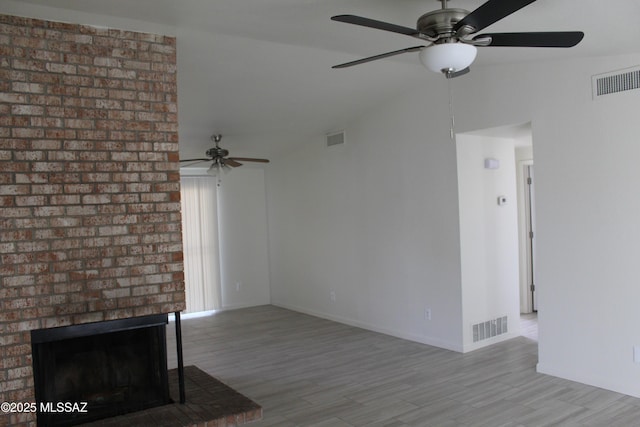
{"x":259,"y":71}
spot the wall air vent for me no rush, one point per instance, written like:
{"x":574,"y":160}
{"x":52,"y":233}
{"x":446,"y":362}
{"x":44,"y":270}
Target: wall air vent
{"x":615,"y":81}
{"x":335,"y":139}
{"x":490,"y":329}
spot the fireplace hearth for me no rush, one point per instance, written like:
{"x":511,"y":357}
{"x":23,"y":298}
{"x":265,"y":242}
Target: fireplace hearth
{"x":100,"y":370}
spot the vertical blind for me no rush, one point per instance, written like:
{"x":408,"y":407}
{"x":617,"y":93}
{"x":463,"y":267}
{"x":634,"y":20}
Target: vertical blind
{"x":200,"y":243}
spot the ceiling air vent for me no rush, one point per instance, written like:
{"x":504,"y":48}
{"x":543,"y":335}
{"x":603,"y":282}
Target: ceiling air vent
{"x":335,"y":139}
{"x":615,"y":81}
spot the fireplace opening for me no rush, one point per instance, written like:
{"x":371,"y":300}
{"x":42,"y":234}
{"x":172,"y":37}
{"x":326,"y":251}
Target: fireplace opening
{"x":87,"y":372}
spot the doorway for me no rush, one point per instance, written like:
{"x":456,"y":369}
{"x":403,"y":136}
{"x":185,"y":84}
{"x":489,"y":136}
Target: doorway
{"x":496,"y":255}
{"x":526,"y":230}
{"x":530,"y":235}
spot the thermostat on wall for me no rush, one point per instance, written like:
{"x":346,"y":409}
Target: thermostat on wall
{"x":491,"y":163}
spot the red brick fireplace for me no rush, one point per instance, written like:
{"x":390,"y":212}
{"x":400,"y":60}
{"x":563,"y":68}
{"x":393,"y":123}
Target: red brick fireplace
{"x":89,"y":185}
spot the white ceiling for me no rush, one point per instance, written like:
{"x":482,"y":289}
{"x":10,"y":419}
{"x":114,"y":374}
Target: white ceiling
{"x":259,"y":71}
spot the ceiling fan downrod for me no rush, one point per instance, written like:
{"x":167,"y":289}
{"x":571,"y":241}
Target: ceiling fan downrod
{"x":217,"y":154}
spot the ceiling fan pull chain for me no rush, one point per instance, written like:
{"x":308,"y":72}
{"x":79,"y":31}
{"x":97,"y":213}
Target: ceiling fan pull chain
{"x":451,"y":115}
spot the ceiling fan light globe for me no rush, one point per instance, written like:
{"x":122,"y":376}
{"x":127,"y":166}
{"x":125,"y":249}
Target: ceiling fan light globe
{"x":448,"y":57}
{"x":214,"y":169}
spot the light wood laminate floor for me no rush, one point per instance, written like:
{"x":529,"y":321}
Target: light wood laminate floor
{"x":307,"y":371}
{"x":529,"y":325}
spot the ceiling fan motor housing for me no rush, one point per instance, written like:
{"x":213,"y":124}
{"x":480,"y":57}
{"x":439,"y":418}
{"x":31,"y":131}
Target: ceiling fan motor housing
{"x":440,"y":23}
{"x":217,"y":152}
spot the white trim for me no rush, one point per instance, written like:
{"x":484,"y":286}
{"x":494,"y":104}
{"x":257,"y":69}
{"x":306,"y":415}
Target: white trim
{"x":194,"y":172}
{"x":523,"y":239}
{"x":183,"y":316}
{"x":592,"y":380}
{"x":374,"y":328}
{"x":490,"y":341}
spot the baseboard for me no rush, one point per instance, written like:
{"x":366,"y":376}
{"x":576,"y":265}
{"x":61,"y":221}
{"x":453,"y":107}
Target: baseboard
{"x":488,"y":342}
{"x":591,"y":380}
{"x":195,"y":315}
{"x":374,"y":328}
{"x":244,"y":305}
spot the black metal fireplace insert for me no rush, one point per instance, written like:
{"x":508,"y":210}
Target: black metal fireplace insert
{"x":108,"y":368}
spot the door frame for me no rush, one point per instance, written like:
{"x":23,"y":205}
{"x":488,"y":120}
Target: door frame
{"x":524,"y":249}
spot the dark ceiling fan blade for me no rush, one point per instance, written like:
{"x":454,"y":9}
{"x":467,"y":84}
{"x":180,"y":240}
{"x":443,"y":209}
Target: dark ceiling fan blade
{"x":372,"y":23}
{"x":247,"y":159}
{"x":536,"y":39}
{"x":195,"y":160}
{"x":382,"y":55}
{"x":490,"y":12}
{"x":232,"y":163}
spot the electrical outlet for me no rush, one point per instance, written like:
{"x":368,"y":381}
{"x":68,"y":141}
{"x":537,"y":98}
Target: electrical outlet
{"x":427,"y":313}
{"x":332,"y":296}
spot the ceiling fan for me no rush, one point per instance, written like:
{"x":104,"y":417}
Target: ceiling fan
{"x":449,"y":33}
{"x":220,"y":160}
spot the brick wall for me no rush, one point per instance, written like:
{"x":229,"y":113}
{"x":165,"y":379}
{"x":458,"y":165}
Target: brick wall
{"x":89,"y":184}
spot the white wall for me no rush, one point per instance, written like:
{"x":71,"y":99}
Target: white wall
{"x":378,"y":223}
{"x":587,"y":210}
{"x":374,"y":221}
{"x":588,"y":226}
{"x":488,"y":236}
{"x":244,"y":261}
